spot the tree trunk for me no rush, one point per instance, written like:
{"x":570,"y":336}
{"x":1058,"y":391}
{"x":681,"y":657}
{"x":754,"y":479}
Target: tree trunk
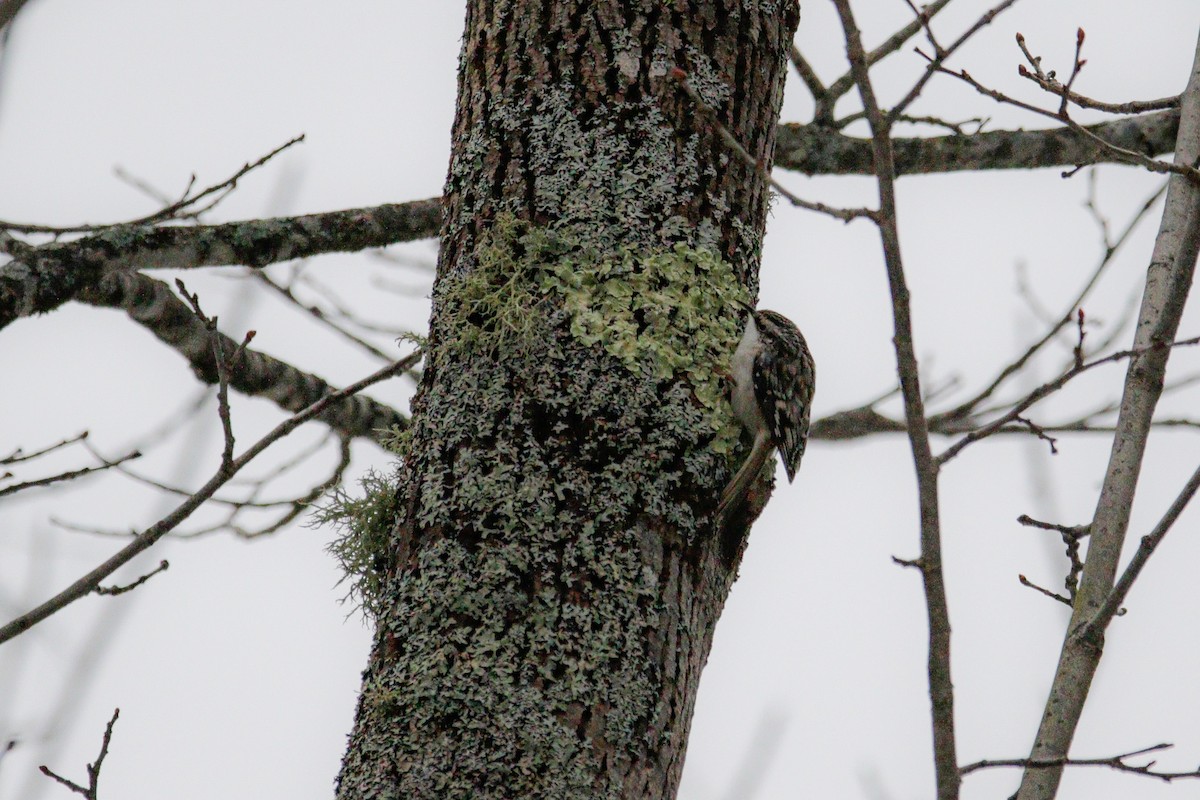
{"x":552,"y":579}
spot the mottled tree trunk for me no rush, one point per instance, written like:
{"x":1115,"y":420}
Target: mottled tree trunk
{"x":553,"y":577}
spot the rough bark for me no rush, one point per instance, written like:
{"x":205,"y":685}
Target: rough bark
{"x":553,"y":578}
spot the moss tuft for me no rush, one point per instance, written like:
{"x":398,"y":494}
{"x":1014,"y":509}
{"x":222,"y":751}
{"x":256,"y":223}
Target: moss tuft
{"x":364,"y":524}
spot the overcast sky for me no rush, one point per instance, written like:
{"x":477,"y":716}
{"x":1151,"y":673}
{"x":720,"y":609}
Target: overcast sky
{"x":237,"y":671}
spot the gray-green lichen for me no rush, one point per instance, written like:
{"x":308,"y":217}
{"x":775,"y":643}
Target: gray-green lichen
{"x":584,"y":412}
{"x":594,"y":177}
{"x":670,"y":318}
{"x":670,"y":315}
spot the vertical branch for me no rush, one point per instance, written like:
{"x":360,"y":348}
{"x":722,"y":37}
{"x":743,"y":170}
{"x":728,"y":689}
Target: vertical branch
{"x":1168,"y":279}
{"x":941,"y":689}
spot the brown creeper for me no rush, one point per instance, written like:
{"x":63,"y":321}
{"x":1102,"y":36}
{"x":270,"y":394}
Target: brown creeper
{"x":774,"y":376}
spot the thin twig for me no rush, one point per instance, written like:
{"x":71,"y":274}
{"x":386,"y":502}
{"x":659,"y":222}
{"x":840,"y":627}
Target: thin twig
{"x":175,"y":210}
{"x":1112,"y":603}
{"x":113,"y":591}
{"x":144,"y":540}
{"x":1110,"y":251}
{"x":18,"y":455}
{"x":258,"y":483}
{"x":1054,"y":87}
{"x":317,"y":313}
{"x":93,"y":769}
{"x":1070,"y":537}
{"x":1039,"y":432}
{"x":943,"y":53}
{"x":892,"y":44}
{"x":68,"y":475}
{"x":151,"y":191}
{"x":1052,"y":595}
{"x":1078,"y":531}
{"x":1061,"y":115}
{"x":345,"y":313}
{"x":807,"y":74}
{"x":1112,"y":762}
{"x":1046,"y":389}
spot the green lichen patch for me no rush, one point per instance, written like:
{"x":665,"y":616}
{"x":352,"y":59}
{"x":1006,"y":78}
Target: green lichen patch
{"x":669,"y":315}
{"x":495,"y":309}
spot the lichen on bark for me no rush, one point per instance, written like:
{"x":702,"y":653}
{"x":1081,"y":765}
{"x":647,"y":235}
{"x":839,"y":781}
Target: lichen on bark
{"x":665,"y":317}
{"x":553,"y":578}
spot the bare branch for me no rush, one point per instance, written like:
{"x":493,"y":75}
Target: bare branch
{"x":66,"y":476}
{"x":807,"y":74}
{"x":827,"y":100}
{"x":40,"y":279}
{"x":93,"y":769}
{"x":942,"y":53}
{"x":291,"y":507}
{"x":88,"y":583}
{"x":858,"y":423}
{"x":941,"y":688}
{"x":1049,"y":388}
{"x":1039,"y":432}
{"x":222,"y":363}
{"x":1052,"y":86}
{"x":819,"y":150}
{"x":844,"y":214}
{"x":316,"y":313}
{"x":1077,"y":531}
{"x":347,"y":314}
{"x":113,"y":591}
{"x":186,"y":208}
{"x":1111,"y":249}
{"x":1115,"y":151}
{"x":152,"y":304}
{"x":18,"y":455}
{"x":146,"y":188}
{"x":1168,"y":279}
{"x":43,"y":278}
{"x":1052,"y":595}
{"x":1112,"y":604}
{"x":1119,"y":763}
{"x":1071,"y":536}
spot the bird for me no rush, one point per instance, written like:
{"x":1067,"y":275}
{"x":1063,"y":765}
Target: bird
{"x":773,"y":376}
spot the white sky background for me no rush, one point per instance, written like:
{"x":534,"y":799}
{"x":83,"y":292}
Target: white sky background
{"x":236,"y":672}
